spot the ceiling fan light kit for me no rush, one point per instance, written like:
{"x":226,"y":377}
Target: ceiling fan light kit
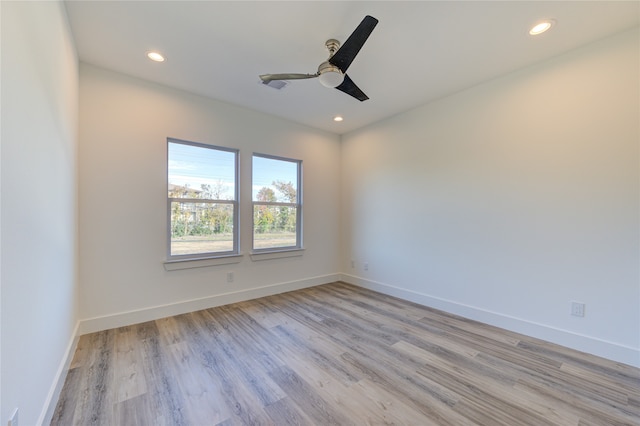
{"x":330,"y":76}
{"x":332,"y":72}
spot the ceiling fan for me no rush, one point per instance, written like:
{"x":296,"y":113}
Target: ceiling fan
{"x":332,"y":72}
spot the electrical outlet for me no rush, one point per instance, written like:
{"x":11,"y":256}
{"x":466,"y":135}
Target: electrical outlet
{"x":366,"y":266}
{"x":13,"y":420}
{"x":577,"y":309}
{"x":230,"y":276}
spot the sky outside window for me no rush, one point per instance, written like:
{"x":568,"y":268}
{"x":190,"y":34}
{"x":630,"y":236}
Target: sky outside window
{"x":268,"y":170}
{"x":193,"y":166}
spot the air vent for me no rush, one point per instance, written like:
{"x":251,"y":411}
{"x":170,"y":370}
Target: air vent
{"x":276,"y":84}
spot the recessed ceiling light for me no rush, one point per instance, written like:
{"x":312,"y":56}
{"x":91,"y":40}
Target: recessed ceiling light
{"x":155,"y":56}
{"x":338,"y":118}
{"x":541,"y":27}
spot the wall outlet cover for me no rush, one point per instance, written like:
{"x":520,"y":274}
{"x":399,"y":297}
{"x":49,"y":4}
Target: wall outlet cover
{"x":577,"y":309}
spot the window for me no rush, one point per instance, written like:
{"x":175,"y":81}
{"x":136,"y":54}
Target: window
{"x":202,"y":200}
{"x":277,"y":203}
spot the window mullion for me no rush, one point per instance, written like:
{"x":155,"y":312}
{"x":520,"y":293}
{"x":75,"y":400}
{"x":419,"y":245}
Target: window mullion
{"x":200,"y":201}
{"x":274,"y":203}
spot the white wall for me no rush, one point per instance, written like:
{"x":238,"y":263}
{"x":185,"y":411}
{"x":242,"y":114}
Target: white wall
{"x":506,"y":201}
{"x":38,"y":174}
{"x":124,"y":125}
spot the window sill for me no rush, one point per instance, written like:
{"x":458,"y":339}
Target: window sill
{"x":276,"y":254}
{"x":174,"y":265}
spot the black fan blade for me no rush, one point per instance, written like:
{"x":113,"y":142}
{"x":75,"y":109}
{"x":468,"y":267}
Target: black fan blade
{"x":350,"y":48}
{"x":350,"y":88}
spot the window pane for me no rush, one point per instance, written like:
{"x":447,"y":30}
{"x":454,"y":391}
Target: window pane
{"x":275,"y":180}
{"x":200,"y":172}
{"x":275,"y":183}
{"x":201,"y":228}
{"x":274,"y":226}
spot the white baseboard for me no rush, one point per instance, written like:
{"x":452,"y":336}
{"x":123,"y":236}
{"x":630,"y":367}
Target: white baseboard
{"x":602,"y":348}
{"x":121,"y":319}
{"x":54,"y":393}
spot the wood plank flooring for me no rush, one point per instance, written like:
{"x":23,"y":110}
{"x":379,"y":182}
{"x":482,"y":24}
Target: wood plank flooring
{"x":337,"y":355}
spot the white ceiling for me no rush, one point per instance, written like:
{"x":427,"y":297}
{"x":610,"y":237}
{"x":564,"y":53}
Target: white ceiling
{"x":420,"y":50}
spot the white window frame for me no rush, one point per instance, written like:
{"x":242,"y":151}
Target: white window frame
{"x":235,"y":203}
{"x":297,"y":205}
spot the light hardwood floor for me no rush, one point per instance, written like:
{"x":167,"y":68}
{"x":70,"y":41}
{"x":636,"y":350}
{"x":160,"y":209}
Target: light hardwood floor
{"x":341,"y":355}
